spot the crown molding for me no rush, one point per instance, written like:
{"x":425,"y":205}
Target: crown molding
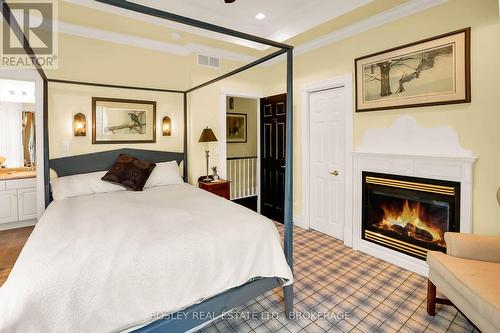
{"x":120,"y":38}
{"x":150,"y":44}
{"x":301,"y":23}
{"x":409,"y":8}
{"x":165,"y":23}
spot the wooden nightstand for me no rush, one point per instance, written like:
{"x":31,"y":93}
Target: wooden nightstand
{"x":220,"y":188}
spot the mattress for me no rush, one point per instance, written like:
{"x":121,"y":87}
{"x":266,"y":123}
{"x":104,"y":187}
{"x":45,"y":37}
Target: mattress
{"x":108,"y":262}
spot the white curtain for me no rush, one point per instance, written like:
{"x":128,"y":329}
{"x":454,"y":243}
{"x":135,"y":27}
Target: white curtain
{"x":11,"y":134}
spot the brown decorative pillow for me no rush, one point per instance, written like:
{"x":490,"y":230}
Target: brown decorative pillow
{"x":129,"y":172}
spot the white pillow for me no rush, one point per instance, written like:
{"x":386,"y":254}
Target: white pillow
{"x":100,"y":186}
{"x":165,"y":173}
{"x":82,"y":184}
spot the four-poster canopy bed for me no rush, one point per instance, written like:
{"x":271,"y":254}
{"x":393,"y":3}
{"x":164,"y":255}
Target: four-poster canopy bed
{"x":72,"y":165}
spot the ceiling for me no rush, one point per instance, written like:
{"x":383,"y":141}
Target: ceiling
{"x":17,"y":91}
{"x":303,"y":24}
{"x":283,"y":20}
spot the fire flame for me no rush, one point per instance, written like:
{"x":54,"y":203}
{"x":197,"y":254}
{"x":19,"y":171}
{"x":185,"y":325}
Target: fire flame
{"x":408,"y":222}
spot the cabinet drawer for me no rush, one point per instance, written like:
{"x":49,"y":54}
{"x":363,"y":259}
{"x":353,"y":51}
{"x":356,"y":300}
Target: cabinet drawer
{"x":20,"y":183}
{"x":8,"y":206}
{"x":2,"y":185}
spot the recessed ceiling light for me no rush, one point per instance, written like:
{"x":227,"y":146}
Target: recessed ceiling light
{"x":260,"y":16}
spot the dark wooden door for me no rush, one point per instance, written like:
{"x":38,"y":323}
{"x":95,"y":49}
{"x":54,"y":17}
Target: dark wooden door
{"x":273,"y":131}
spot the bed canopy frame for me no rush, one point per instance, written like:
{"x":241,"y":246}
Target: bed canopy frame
{"x":69,"y":165}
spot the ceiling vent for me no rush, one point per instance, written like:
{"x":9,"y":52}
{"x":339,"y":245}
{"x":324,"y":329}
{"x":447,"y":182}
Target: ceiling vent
{"x":208,"y":61}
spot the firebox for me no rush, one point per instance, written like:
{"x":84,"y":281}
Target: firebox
{"x":409,"y":214}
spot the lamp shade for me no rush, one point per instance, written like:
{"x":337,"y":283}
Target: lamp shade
{"x":207,"y":136}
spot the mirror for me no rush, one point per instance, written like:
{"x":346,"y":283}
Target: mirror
{"x":17,"y":135}
{"x":17,"y":124}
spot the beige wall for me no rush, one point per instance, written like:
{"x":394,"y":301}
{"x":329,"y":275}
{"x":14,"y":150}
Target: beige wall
{"x":477,"y":123}
{"x":205,"y":107}
{"x":67,"y":100}
{"x":83,"y":59}
{"x":246,"y":106}
{"x":89,"y":60}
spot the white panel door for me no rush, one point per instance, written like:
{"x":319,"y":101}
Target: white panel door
{"x":8,"y":206}
{"x":27,"y":203}
{"x":327,"y":148}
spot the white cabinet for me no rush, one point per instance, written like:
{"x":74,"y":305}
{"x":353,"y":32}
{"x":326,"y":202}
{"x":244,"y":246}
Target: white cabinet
{"x":26,"y":203}
{"x":8,"y":206}
{"x":18,"y":200}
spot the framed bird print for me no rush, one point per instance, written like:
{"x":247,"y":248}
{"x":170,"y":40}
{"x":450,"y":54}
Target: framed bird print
{"x":123,"y":121}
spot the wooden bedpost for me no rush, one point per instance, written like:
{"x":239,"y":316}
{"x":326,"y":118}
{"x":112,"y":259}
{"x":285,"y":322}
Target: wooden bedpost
{"x":288,"y":290}
{"x":431,"y":298}
{"x":46,"y":166}
{"x":185,"y":164}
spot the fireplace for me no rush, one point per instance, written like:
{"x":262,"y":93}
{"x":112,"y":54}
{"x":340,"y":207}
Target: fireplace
{"x":409,"y":214}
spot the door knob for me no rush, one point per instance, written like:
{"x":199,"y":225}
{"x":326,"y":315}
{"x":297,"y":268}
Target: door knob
{"x":334,"y":173}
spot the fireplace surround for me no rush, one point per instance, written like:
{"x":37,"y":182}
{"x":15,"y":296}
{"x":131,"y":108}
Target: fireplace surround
{"x":409,"y":214}
{"x":410,"y":150}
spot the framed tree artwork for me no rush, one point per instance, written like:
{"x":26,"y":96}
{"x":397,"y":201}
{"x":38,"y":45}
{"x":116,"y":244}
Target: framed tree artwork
{"x":123,"y":121}
{"x":236,"y":128}
{"x":433,"y":71}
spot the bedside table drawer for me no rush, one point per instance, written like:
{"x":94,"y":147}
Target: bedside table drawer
{"x":220,"y":188}
{"x":221,"y":192}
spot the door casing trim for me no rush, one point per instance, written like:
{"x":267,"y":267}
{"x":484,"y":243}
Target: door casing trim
{"x":224,"y":93}
{"x":332,"y":83}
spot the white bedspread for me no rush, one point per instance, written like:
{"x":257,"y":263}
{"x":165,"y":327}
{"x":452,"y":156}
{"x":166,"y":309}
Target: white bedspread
{"x":107,"y":262}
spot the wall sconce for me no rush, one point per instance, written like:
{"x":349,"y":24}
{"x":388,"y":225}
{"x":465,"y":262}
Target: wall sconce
{"x":79,"y":125}
{"x":166,"y":126}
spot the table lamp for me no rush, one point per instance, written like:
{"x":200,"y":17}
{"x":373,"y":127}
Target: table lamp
{"x":207,"y":136}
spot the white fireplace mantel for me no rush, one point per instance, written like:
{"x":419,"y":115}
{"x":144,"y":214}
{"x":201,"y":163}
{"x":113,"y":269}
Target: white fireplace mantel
{"x":408,"y":149}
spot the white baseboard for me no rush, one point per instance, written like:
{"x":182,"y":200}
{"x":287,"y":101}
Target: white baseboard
{"x":19,"y":224}
{"x":297,"y":220}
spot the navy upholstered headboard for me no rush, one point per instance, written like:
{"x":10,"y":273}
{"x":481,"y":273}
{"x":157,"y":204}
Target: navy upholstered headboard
{"x":72,"y":165}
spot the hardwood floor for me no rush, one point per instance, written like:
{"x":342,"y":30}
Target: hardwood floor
{"x":11,"y":243}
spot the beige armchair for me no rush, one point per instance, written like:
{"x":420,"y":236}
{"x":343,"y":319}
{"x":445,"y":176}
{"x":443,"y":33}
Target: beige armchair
{"x":469,"y":276}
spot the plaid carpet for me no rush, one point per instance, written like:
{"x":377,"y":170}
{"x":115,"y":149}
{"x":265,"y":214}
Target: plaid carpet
{"x":341,"y":290}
